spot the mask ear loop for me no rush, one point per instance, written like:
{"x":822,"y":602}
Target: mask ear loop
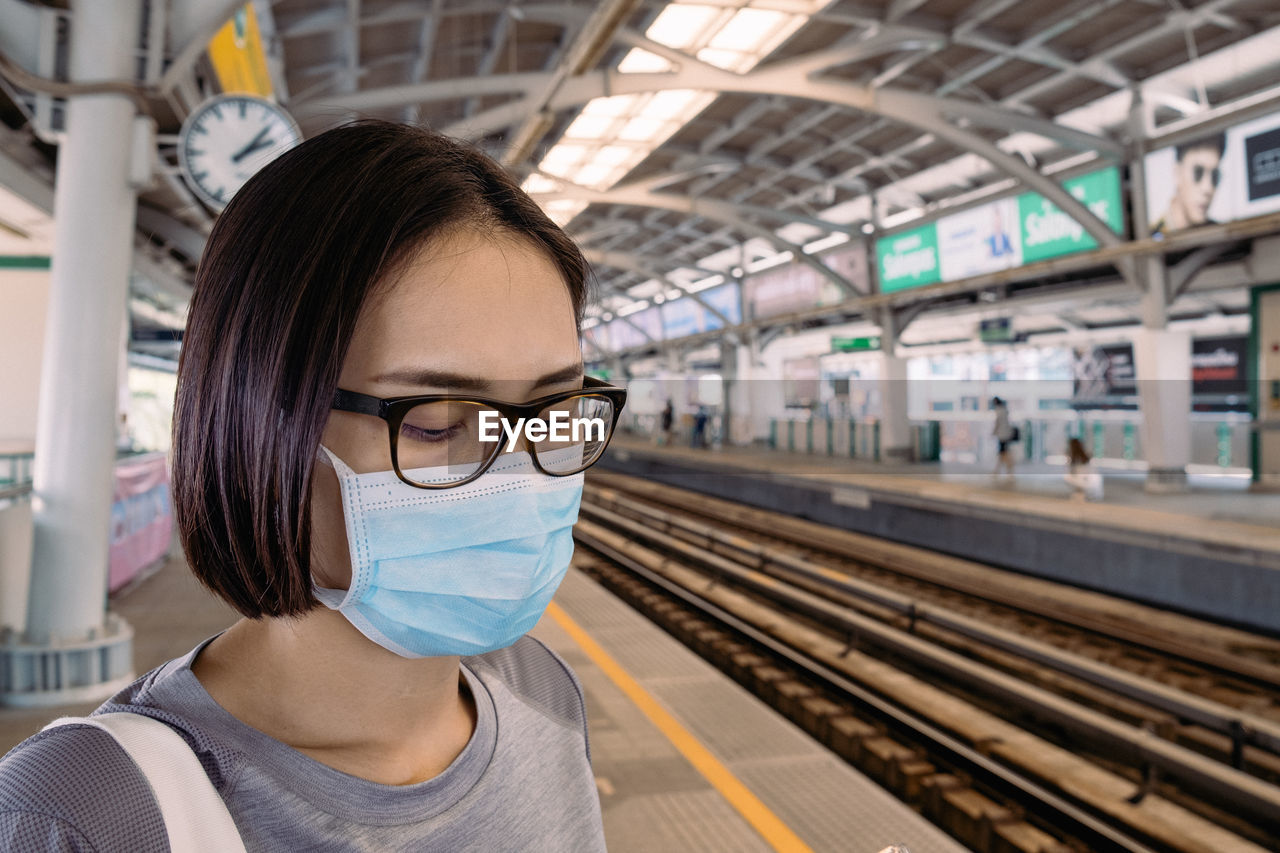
{"x":334,"y":599}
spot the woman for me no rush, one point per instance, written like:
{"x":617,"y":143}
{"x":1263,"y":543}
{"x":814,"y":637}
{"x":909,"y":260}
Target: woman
{"x":332,"y":484}
{"x":1005,"y":434}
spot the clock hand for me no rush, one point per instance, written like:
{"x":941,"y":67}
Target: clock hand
{"x":254,"y":144}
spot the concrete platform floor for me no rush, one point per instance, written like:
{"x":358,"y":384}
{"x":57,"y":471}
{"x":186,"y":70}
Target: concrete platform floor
{"x":1209,"y":496}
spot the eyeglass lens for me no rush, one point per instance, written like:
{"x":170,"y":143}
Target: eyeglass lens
{"x":449,"y":441}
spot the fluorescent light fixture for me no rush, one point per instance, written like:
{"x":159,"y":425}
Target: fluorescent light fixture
{"x":703,"y":284}
{"x":833,"y":239}
{"x":767,"y":263}
{"x":675,"y":293}
{"x":589,"y":323}
{"x":628,"y":310}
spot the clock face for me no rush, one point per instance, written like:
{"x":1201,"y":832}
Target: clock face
{"x":228,"y":138}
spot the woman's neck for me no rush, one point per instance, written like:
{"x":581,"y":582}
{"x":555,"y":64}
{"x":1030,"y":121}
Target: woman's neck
{"x":320,"y":686}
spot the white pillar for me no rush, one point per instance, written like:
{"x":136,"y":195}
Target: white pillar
{"x":1162,"y":359}
{"x":94,"y":209}
{"x":895,"y":427}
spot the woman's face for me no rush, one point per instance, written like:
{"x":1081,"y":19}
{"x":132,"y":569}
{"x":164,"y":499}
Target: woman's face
{"x":470,"y":313}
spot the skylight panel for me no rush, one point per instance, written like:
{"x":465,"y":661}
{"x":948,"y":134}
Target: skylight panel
{"x":671,"y":104}
{"x":588,"y":126}
{"x":641,"y":129}
{"x":729,"y":60}
{"x":682,"y":25}
{"x":639,"y":61}
{"x":563,"y":158}
{"x":616,"y":155}
{"x":592,"y":175}
{"x":617,"y":105}
{"x":749,"y":30}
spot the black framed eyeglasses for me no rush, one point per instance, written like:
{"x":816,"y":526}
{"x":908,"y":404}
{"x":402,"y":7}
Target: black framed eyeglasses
{"x":439,"y":441}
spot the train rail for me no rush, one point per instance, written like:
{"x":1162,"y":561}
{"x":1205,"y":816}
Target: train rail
{"x":1165,"y":769}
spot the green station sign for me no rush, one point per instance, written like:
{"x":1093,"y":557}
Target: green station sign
{"x":909,"y":259}
{"x":1003,"y":234}
{"x":1047,"y":232}
{"x":855,"y":344}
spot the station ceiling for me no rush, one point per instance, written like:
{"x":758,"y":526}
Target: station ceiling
{"x":680,"y":141}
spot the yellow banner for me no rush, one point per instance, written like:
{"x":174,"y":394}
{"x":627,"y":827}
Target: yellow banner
{"x":237,"y":55}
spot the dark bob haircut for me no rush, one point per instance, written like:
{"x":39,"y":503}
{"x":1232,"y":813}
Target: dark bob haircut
{"x":1216,"y":141}
{"x":285,"y":272}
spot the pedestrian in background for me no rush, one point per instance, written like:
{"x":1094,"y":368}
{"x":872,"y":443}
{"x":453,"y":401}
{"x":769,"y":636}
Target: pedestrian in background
{"x":1006,"y":435}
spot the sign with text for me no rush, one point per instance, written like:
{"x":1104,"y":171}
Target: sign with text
{"x":998,"y":235}
{"x":909,"y":259}
{"x":1047,"y":232}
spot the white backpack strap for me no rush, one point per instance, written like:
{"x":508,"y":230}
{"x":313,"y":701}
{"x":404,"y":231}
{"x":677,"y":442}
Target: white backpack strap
{"x":195,"y":816}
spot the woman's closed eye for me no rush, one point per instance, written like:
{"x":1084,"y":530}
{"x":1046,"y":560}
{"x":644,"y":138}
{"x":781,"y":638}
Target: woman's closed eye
{"x":431,"y":436}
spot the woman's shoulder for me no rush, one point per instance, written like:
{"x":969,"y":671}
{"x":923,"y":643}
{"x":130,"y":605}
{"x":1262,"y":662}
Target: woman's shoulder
{"x":538,"y":677}
{"x":74,"y":788}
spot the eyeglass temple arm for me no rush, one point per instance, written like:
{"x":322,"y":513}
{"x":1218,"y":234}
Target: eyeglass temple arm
{"x":351,"y":401}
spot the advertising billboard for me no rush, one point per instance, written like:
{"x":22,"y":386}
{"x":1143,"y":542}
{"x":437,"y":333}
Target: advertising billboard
{"x":687,"y":316}
{"x":909,"y":259}
{"x":1047,"y":232}
{"x":998,"y":235}
{"x":1219,"y":177}
{"x":980,"y":240}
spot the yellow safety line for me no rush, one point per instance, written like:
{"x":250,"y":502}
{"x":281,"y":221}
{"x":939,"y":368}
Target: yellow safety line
{"x":747,"y":804}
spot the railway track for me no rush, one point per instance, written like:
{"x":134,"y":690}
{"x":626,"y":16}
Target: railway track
{"x":1056,"y":733}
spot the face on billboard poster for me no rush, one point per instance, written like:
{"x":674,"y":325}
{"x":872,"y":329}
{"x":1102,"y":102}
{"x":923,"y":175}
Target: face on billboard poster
{"x":1190,"y":174}
{"x":1219,"y":177}
{"x":980,"y":240}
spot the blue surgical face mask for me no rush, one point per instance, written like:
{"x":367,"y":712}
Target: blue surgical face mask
{"x":457,"y":571}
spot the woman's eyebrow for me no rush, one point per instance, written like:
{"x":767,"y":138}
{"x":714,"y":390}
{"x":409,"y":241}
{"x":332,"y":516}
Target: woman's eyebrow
{"x":462,"y":382}
{"x":568,"y":373}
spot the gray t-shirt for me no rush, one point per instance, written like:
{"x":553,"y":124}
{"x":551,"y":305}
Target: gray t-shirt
{"x":522,"y":783}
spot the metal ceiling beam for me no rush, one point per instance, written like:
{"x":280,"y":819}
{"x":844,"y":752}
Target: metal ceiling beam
{"x":427,"y":29}
{"x":640,"y":196}
{"x":925,"y":112}
{"x":641,"y":266}
{"x":497,"y":40}
{"x":191,"y":24}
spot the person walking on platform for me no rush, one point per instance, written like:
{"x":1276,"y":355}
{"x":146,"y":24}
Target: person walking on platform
{"x":700,"y":427}
{"x":668,"y":419}
{"x":368,"y":307}
{"x":1006,"y":434}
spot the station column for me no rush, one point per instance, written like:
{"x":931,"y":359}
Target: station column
{"x":74,"y":651}
{"x":895,"y":428}
{"x":1162,"y":357}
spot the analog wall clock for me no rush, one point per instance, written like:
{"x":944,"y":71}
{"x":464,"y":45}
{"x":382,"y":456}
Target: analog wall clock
{"x":228,"y":138}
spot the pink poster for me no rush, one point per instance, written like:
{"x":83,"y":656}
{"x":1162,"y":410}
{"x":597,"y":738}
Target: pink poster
{"x":141,"y":517}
